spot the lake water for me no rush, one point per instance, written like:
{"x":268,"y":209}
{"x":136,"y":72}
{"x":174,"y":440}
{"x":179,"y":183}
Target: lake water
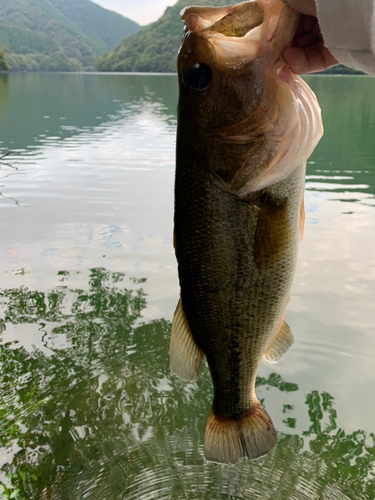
{"x":88,"y":406}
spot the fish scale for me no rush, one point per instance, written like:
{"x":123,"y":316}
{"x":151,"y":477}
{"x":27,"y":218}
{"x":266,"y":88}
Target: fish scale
{"x":218,"y":320}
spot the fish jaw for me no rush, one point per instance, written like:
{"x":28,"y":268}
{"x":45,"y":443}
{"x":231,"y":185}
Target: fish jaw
{"x":266,"y":29}
{"x":237,"y":61}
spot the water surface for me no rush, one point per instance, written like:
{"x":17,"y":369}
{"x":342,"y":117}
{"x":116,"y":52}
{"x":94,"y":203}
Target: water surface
{"x":88,"y":407}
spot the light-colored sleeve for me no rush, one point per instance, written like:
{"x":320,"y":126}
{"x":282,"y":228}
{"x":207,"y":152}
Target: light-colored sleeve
{"x":348,"y":28}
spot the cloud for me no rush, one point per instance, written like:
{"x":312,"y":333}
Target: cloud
{"x":142,"y":11}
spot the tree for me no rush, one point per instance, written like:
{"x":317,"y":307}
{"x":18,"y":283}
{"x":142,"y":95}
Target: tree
{"x":4,"y":66}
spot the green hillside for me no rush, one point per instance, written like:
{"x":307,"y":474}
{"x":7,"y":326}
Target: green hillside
{"x":103,"y":26}
{"x":64,"y":35}
{"x":154,"y":48}
{"x":3,"y":62}
{"x":340,"y":69}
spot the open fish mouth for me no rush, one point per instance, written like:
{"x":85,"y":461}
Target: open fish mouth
{"x":262,"y":120}
{"x":239,"y":34}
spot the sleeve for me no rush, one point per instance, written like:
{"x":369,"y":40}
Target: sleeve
{"x":348,"y":29}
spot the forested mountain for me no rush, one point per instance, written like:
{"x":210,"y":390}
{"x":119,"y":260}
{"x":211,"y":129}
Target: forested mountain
{"x":154,"y":48}
{"x":3,"y":62}
{"x":340,"y":69}
{"x":59,"y":34}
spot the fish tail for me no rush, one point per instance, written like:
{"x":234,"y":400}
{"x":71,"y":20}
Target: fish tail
{"x":228,"y":440}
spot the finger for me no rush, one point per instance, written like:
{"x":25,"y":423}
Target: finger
{"x":310,"y":59}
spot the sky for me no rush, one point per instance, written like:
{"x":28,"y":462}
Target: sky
{"x":142,"y":11}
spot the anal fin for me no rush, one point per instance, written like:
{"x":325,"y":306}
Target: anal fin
{"x":281,"y":342}
{"x":185,"y":357}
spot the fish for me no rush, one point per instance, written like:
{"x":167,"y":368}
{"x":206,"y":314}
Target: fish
{"x":246,"y":127}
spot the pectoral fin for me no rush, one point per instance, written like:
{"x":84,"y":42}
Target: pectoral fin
{"x":280,"y":344}
{"x":185,"y":356}
{"x":273,"y":233}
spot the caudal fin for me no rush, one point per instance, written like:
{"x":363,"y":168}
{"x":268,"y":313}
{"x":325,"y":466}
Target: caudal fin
{"x":227,"y":441}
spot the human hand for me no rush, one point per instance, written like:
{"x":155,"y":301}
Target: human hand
{"x":308,"y":53}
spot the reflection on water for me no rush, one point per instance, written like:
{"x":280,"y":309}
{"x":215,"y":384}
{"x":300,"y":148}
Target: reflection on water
{"x":4,"y":90}
{"x":59,"y":106}
{"x":91,"y":410}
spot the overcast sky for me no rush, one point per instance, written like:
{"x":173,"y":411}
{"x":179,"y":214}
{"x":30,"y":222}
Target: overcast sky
{"x":142,"y":11}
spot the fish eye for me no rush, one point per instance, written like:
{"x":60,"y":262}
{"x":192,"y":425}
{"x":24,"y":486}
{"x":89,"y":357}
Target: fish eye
{"x":199,"y":77}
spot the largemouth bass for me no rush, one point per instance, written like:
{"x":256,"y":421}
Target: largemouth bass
{"x":246,"y":127}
